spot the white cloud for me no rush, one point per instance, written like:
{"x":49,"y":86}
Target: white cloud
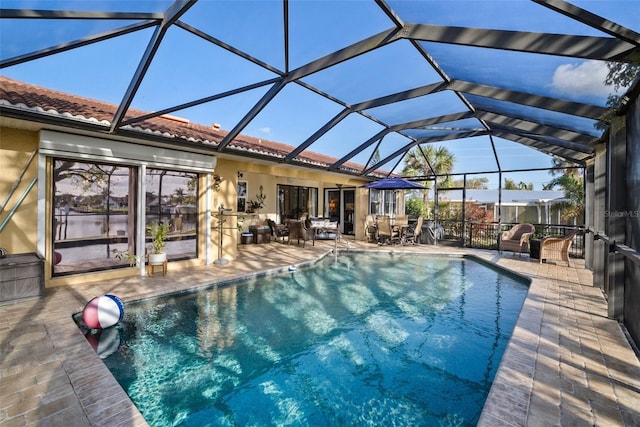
{"x":584,"y":79}
{"x":265,"y":130}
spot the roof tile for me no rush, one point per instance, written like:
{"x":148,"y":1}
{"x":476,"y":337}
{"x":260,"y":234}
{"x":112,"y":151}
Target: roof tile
{"x":37,"y":98}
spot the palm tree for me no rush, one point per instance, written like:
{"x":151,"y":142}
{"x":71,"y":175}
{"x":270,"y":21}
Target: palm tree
{"x":438,"y":158}
{"x":560,"y":167}
{"x":179,"y":195}
{"x":571,"y":181}
{"x":510,"y":184}
{"x":573,"y":187}
{"x":472,"y":183}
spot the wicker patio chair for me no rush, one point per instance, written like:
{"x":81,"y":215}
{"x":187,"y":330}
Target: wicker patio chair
{"x":298,"y":230}
{"x":278,"y":230}
{"x":516,"y":239}
{"x":557,"y":247}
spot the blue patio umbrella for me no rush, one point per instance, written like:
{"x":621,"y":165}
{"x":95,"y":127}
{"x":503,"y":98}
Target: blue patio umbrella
{"x":394,"y":184}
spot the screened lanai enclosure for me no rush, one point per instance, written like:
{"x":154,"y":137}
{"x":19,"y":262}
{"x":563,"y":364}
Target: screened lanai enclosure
{"x":516,"y":99}
{"x":362,"y":81}
{"x":509,"y":88}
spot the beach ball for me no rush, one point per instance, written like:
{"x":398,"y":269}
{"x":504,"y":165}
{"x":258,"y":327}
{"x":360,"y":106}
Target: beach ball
{"x":102,"y":312}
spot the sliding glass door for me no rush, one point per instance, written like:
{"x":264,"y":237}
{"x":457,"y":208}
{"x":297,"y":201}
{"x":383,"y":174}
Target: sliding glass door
{"x":95,"y":213}
{"x":294,"y":201}
{"x":340,"y":206}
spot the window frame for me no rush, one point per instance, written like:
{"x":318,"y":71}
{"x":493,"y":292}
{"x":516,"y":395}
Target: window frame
{"x":57,"y":145}
{"x":242,"y":199}
{"x":312,"y":201}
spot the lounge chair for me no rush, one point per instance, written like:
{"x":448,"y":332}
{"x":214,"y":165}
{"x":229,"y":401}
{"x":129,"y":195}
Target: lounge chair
{"x":516,"y":239}
{"x":556,"y":247}
{"x":278,"y":230}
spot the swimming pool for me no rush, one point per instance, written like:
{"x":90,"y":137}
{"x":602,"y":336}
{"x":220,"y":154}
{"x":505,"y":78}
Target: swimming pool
{"x":361,"y":339}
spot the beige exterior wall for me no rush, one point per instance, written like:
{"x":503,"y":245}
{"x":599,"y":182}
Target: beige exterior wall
{"x":269,"y":176}
{"x":362,"y":209}
{"x":20,"y":234}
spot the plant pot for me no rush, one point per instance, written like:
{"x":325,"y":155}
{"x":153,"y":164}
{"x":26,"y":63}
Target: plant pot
{"x":157,"y":259}
{"x":246,"y":238}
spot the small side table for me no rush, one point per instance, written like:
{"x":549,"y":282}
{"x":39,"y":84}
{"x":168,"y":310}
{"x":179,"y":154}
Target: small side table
{"x":534,"y":248}
{"x":261,"y":233}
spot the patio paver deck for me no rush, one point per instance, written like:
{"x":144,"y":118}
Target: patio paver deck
{"x":566,"y":364}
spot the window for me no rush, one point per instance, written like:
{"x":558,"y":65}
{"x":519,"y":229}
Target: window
{"x":382,"y":202}
{"x":293,"y":201}
{"x":92,"y":216}
{"x":172,"y":199}
{"x":95,"y":213}
{"x":98,"y":205}
{"x":242,"y":196}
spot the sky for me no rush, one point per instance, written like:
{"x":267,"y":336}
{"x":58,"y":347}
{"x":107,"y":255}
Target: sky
{"x":186,"y":67}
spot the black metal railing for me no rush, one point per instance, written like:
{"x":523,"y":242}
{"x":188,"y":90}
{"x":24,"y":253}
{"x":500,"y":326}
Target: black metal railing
{"x":482,"y":235}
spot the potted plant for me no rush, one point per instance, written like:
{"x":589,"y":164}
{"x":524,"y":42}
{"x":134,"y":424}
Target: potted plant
{"x":256,"y":205}
{"x":158,"y":231}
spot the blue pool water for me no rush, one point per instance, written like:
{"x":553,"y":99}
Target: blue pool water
{"x":361,"y":339}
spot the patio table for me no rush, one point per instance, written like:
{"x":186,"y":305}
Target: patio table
{"x":534,"y":248}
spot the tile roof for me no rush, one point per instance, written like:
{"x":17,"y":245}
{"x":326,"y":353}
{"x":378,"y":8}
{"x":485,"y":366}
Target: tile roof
{"x":24,"y":96}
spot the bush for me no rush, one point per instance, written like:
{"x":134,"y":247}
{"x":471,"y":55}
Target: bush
{"x":415,"y":207}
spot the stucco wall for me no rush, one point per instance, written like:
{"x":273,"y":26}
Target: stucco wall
{"x":20,"y":232}
{"x":269,"y":177}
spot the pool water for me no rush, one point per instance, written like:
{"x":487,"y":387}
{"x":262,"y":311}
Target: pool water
{"x":359,"y":339}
